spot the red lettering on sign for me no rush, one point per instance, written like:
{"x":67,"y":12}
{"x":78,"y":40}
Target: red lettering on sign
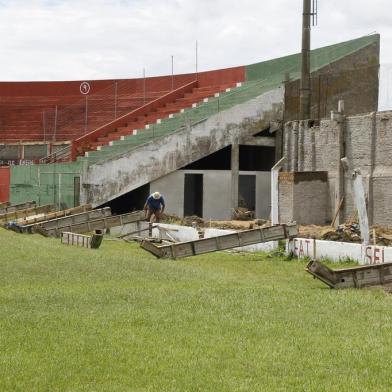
{"x":307,"y":247}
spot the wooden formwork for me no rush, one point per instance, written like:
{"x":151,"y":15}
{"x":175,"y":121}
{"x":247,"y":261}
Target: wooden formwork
{"x":102,"y":223}
{"x":6,"y":208}
{"x":58,"y":224}
{"x":4,"y":205}
{"x":228,"y":241}
{"x":22,"y":214}
{"x":54,"y":215}
{"x":86,"y":241}
{"x":354,"y":277}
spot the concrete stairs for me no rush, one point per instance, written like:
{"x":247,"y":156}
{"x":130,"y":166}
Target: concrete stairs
{"x":156,"y":116}
{"x":134,"y":160}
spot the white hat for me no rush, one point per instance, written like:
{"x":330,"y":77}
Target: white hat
{"x":156,"y":195}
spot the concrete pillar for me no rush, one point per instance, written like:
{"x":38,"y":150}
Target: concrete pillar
{"x":294,"y":146}
{"x":339,"y":184}
{"x":286,"y":145}
{"x":301,"y":145}
{"x":235,"y":169}
{"x":371,"y":169}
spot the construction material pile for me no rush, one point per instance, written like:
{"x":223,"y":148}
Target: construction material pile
{"x":350,"y":232}
{"x":347,"y":232}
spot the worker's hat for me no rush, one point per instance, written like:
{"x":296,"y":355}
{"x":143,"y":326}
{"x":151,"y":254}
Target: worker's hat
{"x":156,"y":195}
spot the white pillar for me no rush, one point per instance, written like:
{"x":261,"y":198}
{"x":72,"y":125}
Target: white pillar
{"x":360,"y":202}
{"x":275,"y":191}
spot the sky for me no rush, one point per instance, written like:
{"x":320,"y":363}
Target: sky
{"x":111,"y":39}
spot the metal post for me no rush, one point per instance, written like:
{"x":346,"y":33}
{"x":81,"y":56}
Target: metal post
{"x":275,"y":191}
{"x":44,"y":124}
{"x":172,"y":72}
{"x":115,"y":100}
{"x":144,"y":86}
{"x":197,"y":60}
{"x":86,"y":115}
{"x":305,"y":66}
{"x":55,"y":124}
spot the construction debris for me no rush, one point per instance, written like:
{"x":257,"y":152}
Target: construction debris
{"x":90,"y":222}
{"x":348,"y":232}
{"x":86,"y":241}
{"x":354,"y":277}
{"x":23,"y":214}
{"x":228,"y":241}
{"x":53,"y":215}
{"x":7,"y":208}
{"x":241,"y":213}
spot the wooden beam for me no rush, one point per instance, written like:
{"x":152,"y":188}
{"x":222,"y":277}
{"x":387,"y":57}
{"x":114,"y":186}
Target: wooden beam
{"x":67,"y":221}
{"x":102,"y":223}
{"x":228,"y":241}
{"x":354,"y":277}
{"x":56,"y":214}
{"x":6,"y":209}
{"x":22,"y":214}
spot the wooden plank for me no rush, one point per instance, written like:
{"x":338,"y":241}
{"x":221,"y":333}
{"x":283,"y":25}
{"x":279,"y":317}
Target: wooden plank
{"x":228,"y":241}
{"x":354,"y":277}
{"x":67,"y":221}
{"x":96,"y":224}
{"x":13,"y":216}
{"x":17,"y":207}
{"x":56,"y":214}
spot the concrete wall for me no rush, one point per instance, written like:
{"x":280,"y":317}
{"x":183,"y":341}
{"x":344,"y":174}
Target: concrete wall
{"x":367,"y":144}
{"x":216,"y":195}
{"x":115,"y":177}
{"x":303,"y":197}
{"x":353,"y":78}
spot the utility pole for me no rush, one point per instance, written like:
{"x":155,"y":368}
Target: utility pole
{"x":304,"y":97}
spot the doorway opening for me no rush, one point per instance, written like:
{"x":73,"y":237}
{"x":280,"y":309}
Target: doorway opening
{"x":193,"y":195}
{"x":247,"y":192}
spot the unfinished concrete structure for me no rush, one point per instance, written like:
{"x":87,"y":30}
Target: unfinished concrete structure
{"x":314,"y":149}
{"x":213,"y":155}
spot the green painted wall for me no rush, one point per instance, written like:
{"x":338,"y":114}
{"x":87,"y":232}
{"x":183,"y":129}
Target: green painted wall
{"x":46,"y":184}
{"x":274,"y":70}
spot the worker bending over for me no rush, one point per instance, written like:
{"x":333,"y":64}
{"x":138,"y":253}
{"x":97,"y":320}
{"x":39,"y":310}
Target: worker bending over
{"x":155,"y":205}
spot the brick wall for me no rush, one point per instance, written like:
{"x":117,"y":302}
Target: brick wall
{"x":303,"y":197}
{"x":309,"y":146}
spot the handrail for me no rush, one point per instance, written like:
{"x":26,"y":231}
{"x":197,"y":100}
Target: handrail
{"x":62,"y":154}
{"x":189,"y":122}
{"x":83,"y":141}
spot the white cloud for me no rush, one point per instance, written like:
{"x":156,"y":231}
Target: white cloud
{"x":92,"y":39}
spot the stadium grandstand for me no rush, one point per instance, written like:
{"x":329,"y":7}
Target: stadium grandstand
{"x":98,"y":141}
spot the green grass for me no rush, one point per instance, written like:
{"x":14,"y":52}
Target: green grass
{"x":117,"y":319}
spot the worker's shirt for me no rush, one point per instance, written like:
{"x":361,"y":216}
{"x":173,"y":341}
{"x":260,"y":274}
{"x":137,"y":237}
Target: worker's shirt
{"x":155,"y":204}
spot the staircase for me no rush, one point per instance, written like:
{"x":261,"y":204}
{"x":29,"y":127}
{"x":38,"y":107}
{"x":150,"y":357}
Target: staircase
{"x":139,"y":158}
{"x":147,"y":116}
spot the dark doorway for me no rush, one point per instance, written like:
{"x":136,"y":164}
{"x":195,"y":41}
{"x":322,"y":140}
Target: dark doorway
{"x":247,"y":192}
{"x":131,"y":201}
{"x":76,"y":191}
{"x":193,"y":195}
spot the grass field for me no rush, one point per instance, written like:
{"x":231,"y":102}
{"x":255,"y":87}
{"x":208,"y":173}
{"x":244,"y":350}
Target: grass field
{"x":117,"y":319}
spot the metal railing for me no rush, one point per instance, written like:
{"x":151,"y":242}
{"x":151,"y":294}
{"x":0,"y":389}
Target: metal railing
{"x":186,"y":119}
{"x":62,"y":155}
{"x":95,"y":110}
